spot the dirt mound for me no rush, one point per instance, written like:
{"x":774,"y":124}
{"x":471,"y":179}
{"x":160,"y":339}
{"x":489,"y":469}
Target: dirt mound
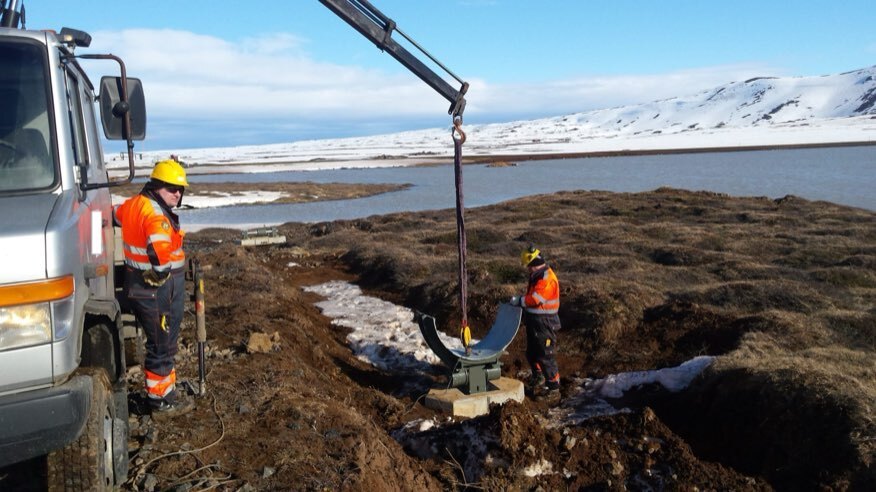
{"x":288,"y":416}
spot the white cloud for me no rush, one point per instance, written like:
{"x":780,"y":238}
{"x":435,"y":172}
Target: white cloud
{"x":600,"y":92}
{"x":204,"y":77}
{"x":273,"y":78}
{"x":274,"y":43}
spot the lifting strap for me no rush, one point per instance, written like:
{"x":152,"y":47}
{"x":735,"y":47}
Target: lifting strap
{"x":459,"y":139}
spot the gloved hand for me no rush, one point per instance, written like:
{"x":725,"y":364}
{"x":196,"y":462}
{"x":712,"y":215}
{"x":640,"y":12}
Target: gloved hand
{"x":155,"y":279}
{"x":515,"y":301}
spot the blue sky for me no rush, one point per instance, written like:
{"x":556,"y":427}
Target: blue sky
{"x":222,"y":73}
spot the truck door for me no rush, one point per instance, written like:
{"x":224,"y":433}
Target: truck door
{"x":95,"y":207}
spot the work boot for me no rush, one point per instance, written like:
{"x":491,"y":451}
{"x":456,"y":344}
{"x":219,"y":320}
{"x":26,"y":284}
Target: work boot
{"x":165,"y":409}
{"x":551,"y":393}
{"x":536,"y":382}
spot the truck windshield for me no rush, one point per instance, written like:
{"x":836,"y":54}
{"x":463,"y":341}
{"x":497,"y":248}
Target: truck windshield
{"x":26,"y":158}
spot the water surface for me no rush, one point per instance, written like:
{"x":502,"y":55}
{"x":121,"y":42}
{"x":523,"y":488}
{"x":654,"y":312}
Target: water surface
{"x":844,"y":175}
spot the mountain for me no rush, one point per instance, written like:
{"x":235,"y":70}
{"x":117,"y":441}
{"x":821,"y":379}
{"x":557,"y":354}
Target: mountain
{"x":757,"y":102}
{"x":758,"y":111}
{"x":763,"y":111}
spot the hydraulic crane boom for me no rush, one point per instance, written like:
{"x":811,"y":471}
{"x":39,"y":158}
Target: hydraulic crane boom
{"x":378,"y":28}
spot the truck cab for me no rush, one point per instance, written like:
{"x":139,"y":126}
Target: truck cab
{"x":63,"y":392}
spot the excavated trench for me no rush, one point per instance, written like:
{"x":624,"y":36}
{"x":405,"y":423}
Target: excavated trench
{"x":777,"y":429}
{"x":769,"y":424}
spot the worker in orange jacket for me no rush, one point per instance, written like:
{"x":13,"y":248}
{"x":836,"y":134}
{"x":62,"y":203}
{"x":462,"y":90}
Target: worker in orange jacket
{"x":541,"y":305}
{"x":155,"y":278}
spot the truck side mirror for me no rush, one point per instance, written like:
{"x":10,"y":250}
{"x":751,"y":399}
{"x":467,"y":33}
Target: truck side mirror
{"x":113,"y":108}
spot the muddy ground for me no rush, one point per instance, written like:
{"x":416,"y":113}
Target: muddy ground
{"x":781,"y":291}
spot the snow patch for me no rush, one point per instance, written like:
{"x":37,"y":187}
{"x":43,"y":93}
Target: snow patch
{"x":222,"y":199}
{"x":589,"y":399}
{"x":382,"y":334}
{"x":236,"y":198}
{"x":673,"y":379}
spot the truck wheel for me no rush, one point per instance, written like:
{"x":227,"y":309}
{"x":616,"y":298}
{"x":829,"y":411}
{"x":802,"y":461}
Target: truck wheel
{"x":87,"y":463}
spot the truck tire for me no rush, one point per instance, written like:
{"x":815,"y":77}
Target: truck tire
{"x":88,"y":462}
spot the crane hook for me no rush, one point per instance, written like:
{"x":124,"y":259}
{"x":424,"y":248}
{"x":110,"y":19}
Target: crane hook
{"x":457,"y":128}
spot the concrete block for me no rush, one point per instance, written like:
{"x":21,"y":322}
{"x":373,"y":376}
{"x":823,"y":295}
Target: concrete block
{"x":262,"y":240}
{"x":459,"y":404}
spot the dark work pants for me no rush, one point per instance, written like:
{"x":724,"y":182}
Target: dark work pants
{"x":159,"y":310}
{"x":541,"y":343}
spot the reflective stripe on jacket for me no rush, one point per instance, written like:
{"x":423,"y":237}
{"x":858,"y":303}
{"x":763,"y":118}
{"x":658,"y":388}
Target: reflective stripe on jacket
{"x":543,"y":294}
{"x":148,"y":236}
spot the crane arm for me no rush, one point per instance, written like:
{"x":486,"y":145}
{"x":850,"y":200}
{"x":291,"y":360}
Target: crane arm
{"x":378,"y":28}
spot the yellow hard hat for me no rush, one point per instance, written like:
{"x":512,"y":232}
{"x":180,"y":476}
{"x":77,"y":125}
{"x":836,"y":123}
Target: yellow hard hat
{"x":528,"y":255}
{"x":171,"y":172}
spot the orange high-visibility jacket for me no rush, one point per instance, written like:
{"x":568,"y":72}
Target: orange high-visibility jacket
{"x":543,"y":294}
{"x":148,"y":236}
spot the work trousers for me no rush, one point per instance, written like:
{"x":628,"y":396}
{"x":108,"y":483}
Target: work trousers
{"x":159,"y":310}
{"x":541,"y":344}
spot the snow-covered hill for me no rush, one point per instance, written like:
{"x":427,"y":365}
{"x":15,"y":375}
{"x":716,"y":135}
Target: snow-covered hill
{"x":760,"y":111}
{"x":761,"y":102}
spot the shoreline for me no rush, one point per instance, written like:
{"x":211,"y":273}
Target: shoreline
{"x":245,"y":167}
{"x":686,"y":150}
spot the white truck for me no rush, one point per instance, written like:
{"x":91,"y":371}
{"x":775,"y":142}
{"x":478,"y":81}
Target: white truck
{"x":62,"y":358}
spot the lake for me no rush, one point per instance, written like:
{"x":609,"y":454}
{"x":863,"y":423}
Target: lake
{"x":845,"y":175}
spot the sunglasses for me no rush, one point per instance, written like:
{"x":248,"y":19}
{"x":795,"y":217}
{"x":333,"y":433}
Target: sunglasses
{"x":174,"y":189}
